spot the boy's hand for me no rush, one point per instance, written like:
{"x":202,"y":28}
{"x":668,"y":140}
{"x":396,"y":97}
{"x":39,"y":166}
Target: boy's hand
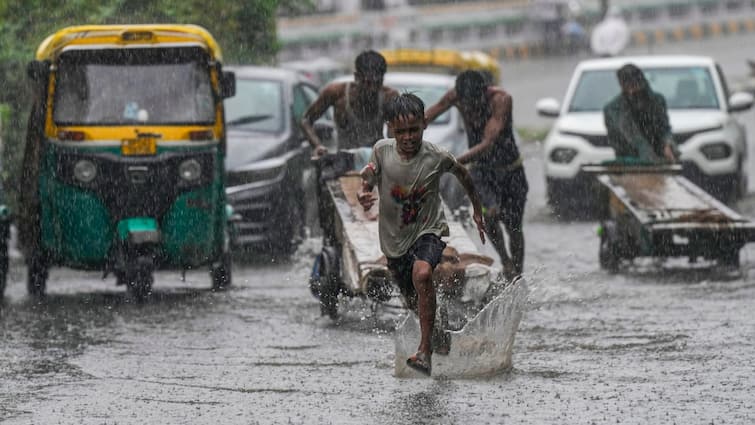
{"x":477,"y":217}
{"x":365,"y":197}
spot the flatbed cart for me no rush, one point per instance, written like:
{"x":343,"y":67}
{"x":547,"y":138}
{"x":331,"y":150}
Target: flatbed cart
{"x":653,"y":211}
{"x":351,"y":262}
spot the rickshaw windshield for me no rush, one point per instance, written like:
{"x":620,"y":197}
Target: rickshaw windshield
{"x":156,"y":86}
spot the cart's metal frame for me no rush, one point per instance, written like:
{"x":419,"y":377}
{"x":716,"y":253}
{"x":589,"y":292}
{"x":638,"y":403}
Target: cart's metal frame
{"x":653,"y":211}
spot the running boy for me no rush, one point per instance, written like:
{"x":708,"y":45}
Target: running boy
{"x":407,"y":171}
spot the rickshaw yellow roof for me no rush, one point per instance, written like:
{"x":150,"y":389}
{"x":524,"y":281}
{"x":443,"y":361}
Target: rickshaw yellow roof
{"x":126,"y":35}
{"x":453,"y":60}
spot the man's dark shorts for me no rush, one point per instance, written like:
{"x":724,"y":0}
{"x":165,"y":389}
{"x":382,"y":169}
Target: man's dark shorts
{"x":429,"y":248}
{"x":503,"y":190}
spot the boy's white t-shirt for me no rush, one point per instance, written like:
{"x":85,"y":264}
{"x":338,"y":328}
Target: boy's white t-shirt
{"x":409,"y":190}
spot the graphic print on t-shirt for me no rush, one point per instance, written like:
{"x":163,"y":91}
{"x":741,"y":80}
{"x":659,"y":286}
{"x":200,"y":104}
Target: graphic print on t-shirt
{"x":410,"y":202}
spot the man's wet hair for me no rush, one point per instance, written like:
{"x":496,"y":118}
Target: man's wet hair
{"x":470,"y":86}
{"x":404,"y":105}
{"x":631,"y":74}
{"x":370,"y":62}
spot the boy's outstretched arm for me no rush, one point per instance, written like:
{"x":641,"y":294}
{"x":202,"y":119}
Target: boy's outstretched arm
{"x":465,"y":179}
{"x":365,"y":196}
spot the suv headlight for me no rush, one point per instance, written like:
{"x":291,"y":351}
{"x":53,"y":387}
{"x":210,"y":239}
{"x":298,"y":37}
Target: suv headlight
{"x":190,"y":170}
{"x":563,"y":155}
{"x":715,"y":151}
{"x":84,"y":171}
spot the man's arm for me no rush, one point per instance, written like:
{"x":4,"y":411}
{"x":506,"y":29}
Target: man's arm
{"x":465,"y":179}
{"x":326,"y":99}
{"x":500,"y":108}
{"x":445,"y":103}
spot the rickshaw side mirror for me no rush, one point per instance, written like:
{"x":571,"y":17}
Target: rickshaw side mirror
{"x":227,"y":84}
{"x":38,"y":70}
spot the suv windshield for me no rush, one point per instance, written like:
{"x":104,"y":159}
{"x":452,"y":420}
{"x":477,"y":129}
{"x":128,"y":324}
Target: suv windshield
{"x":683,"y":88}
{"x":257,"y":106}
{"x":430,"y":95}
{"x":123,"y":86}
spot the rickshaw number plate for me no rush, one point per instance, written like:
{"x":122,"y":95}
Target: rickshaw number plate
{"x":140,"y":146}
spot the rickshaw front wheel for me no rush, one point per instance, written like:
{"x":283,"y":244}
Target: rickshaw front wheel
{"x":139,"y":284}
{"x":221,"y":273}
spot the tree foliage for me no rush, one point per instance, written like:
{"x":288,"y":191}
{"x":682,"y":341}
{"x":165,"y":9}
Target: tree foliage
{"x":245,"y":30}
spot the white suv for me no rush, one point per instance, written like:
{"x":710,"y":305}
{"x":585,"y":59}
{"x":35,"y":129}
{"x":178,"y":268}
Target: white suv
{"x":713,"y":144}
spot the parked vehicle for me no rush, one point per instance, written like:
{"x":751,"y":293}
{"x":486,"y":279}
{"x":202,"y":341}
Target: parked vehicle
{"x":125,"y":155}
{"x":320,"y":70}
{"x":701,"y":112}
{"x":267,"y":155}
{"x":443,"y":61}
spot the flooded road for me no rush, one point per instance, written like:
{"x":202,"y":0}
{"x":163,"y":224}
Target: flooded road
{"x":669,"y":344}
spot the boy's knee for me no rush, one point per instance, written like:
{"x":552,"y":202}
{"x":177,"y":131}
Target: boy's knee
{"x":422,"y":272}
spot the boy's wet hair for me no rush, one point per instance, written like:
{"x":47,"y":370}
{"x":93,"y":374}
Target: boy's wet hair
{"x":631,"y":74}
{"x":370,"y":62}
{"x":470,"y":85}
{"x":404,"y":105}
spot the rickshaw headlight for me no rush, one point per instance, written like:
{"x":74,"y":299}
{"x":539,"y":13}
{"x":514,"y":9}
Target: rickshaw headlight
{"x":190,"y":170}
{"x":85,"y":171}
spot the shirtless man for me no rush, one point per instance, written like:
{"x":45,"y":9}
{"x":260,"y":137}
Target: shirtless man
{"x":494,"y":159}
{"x":407,"y":171}
{"x":358,"y":106}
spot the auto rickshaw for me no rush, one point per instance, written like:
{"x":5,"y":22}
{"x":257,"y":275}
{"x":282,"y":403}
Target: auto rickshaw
{"x":443,"y":60}
{"x":124,"y":157}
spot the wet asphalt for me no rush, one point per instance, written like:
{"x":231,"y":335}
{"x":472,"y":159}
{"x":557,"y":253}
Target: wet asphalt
{"x":659,"y":343}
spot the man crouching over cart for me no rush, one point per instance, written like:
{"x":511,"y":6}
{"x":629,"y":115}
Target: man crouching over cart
{"x":407,"y":171}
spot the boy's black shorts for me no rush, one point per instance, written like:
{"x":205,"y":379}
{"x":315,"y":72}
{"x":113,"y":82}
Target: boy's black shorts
{"x":429,"y":248}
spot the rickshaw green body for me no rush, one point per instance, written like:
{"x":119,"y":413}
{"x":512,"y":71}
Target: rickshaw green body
{"x":78,"y":229}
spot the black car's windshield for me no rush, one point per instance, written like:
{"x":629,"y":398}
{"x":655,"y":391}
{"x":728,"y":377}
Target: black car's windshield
{"x":158,"y":86}
{"x":683,"y":88}
{"x":257,"y":106}
{"x":430,"y":95}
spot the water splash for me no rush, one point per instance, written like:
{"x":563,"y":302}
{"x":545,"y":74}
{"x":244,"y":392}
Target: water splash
{"x":481,"y":348}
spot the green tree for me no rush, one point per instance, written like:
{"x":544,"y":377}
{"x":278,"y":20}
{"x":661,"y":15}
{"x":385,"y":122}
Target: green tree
{"x":245,"y":30}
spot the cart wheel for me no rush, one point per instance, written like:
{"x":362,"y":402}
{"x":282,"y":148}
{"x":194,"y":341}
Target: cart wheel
{"x":221,"y":273}
{"x":325,"y":283}
{"x":608,"y":252}
{"x":139,"y":284}
{"x":37,"y":276}
{"x":3,"y":266}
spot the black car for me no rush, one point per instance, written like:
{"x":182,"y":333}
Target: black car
{"x":267,"y":156}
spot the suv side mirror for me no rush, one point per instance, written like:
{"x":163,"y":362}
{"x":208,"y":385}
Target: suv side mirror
{"x":38,"y":70}
{"x":227,"y":84}
{"x":548,"y":107}
{"x":740,"y":101}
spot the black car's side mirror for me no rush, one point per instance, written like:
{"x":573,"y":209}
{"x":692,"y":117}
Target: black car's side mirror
{"x":38,"y":70}
{"x":227,"y":84}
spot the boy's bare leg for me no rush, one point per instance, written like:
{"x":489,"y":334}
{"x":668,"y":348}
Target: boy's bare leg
{"x":422,"y":274}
